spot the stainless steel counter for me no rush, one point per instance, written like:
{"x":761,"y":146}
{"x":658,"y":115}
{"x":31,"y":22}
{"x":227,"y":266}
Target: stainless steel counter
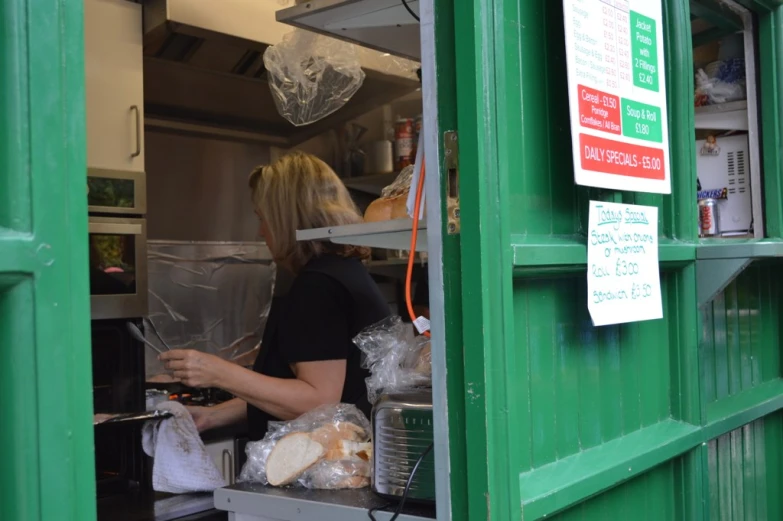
{"x":149,"y":506}
{"x":252,"y":502}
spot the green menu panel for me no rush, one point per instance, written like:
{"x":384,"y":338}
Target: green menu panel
{"x":644,"y":52}
{"x":642,"y":121}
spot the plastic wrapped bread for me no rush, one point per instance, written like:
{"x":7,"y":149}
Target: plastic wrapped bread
{"x":327,"y":448}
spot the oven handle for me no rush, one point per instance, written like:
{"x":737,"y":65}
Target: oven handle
{"x":115,"y":228}
{"x":137,"y":152}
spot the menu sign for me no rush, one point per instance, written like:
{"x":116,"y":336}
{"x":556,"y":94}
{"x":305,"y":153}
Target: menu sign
{"x":623,"y":280}
{"x":617,"y":94}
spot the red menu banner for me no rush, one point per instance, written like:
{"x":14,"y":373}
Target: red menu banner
{"x":615,"y":157}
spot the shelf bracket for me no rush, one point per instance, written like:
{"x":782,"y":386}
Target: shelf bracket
{"x":713,"y":275}
{"x":451,"y":152}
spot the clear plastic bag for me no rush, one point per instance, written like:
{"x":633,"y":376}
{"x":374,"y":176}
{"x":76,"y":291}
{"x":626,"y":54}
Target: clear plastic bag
{"x":327,"y":447}
{"x":398,"y":360}
{"x":401,"y":184}
{"x":715,"y":91}
{"x":311,"y":76}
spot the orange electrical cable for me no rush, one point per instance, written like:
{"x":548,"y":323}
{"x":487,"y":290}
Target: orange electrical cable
{"x":414,"y":237}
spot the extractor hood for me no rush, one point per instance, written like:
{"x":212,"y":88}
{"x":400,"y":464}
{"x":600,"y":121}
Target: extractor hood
{"x":204,"y":72}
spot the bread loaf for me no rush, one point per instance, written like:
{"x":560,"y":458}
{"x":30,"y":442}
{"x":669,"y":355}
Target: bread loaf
{"x":331,"y":435}
{"x":424,"y":362}
{"x":291,"y":456}
{"x":349,"y":451}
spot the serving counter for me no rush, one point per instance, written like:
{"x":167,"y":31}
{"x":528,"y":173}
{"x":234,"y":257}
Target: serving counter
{"x":253,"y":502}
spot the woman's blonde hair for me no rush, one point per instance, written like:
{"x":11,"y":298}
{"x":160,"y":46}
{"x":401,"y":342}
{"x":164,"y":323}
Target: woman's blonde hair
{"x":300,"y":192}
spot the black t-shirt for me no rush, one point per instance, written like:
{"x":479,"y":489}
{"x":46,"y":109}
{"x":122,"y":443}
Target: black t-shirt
{"x":330,"y":301}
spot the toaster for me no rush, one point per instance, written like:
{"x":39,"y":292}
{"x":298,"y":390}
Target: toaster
{"x":402,"y":432}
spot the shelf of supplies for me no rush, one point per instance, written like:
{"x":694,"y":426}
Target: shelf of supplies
{"x":383,"y":25}
{"x":370,"y":184}
{"x":392,"y":235}
{"x":724,"y":116}
{"x":394,"y":268}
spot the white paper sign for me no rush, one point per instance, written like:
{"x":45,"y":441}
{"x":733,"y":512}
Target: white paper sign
{"x":623,"y":282}
{"x":617,"y":94}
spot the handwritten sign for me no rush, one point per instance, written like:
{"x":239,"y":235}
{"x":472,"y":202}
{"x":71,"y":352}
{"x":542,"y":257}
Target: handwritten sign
{"x":617,"y":94}
{"x":623,"y":282}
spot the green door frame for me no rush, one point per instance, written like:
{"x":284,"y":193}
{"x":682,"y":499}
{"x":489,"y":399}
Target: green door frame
{"x":46,"y":433}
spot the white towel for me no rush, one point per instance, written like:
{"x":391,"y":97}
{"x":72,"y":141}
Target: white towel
{"x":181,"y":462}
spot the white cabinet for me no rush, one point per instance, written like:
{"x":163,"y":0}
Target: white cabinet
{"x":114,"y":68}
{"x":222,"y":453}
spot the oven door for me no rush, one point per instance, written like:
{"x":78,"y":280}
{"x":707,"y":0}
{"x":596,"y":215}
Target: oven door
{"x":116,"y":192}
{"x":118,"y":267}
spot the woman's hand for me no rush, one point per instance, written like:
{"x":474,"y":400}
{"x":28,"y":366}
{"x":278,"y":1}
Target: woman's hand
{"x":194,"y":368}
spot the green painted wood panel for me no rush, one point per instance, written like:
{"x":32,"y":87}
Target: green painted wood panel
{"x":649,"y":497}
{"x":744,"y":472}
{"x":740,"y":339}
{"x":47,"y":473}
{"x":587,"y":385}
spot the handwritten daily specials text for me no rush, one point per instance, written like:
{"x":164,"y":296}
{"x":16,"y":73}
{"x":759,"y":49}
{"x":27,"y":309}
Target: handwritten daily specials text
{"x":617,"y":94}
{"x":623,"y":282}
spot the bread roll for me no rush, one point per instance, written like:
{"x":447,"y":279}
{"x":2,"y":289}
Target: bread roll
{"x":399,"y":206}
{"x":379,"y":210}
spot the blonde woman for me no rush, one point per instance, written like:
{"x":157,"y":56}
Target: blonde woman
{"x":307,"y":355}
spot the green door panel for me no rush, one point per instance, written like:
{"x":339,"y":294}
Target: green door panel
{"x":615,"y":422}
{"x":46,"y":431}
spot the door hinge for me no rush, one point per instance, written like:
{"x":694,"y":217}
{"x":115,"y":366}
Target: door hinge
{"x":451,"y":151}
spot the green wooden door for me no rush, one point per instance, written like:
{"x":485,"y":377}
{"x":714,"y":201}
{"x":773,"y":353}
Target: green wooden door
{"x":676,"y":418}
{"x":47,"y":470}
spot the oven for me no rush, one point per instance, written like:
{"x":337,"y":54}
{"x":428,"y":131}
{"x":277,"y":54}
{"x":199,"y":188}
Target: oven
{"x":118,"y":267}
{"x":116,"y":192}
{"x":118,"y":387}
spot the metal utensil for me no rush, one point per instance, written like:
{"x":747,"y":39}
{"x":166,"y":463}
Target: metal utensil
{"x":136,"y":333}
{"x":157,"y":333}
{"x":137,"y":417}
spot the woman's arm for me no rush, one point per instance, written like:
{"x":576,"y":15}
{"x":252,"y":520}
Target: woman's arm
{"x":316,"y":383}
{"x":227,"y":413}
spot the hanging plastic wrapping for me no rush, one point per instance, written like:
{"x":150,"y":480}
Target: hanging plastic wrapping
{"x":326,"y":448}
{"x":213,"y":297}
{"x":398,"y":360}
{"x":311,"y":76}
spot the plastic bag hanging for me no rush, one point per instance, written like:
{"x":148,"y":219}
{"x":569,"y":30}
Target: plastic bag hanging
{"x":311,"y":76}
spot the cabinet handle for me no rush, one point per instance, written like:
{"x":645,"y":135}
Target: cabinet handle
{"x":137,"y":153}
{"x":228,"y":473}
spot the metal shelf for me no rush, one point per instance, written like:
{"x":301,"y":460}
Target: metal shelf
{"x":720,"y":261}
{"x":726,"y":116}
{"x":392,"y":235}
{"x":383,"y":25}
{"x":370,"y":184}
